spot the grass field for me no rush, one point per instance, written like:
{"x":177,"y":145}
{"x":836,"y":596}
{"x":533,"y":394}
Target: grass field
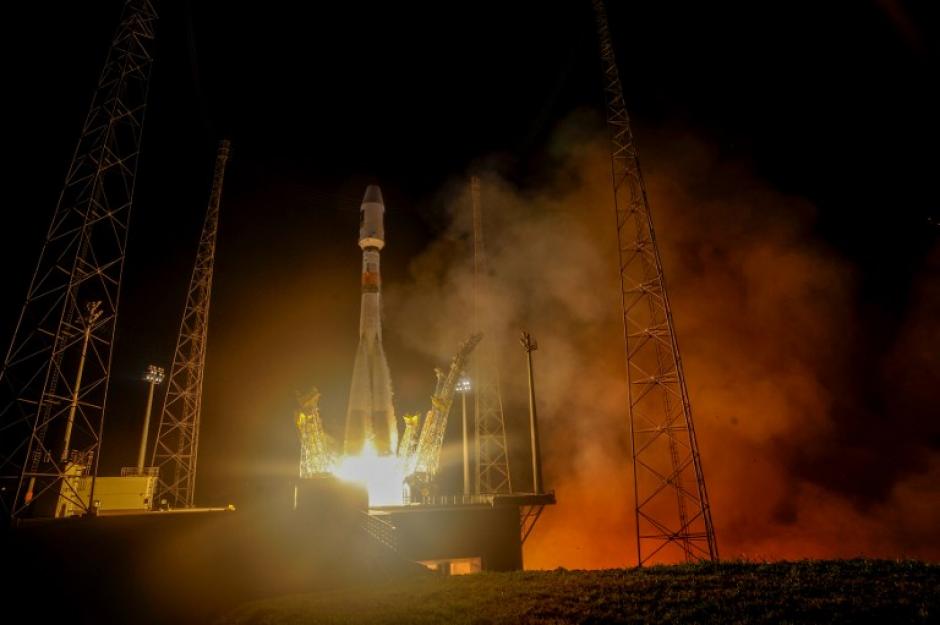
{"x":842,"y":591}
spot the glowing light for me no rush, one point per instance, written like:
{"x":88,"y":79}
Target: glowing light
{"x":383,"y":476}
{"x":154,"y":374}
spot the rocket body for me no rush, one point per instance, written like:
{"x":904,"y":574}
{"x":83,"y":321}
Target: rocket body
{"x":370,"y":418}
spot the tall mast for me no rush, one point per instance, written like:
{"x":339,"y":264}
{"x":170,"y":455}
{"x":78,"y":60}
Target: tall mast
{"x":673,"y":516}
{"x":54,"y":380}
{"x":177,"y":441}
{"x":492,"y":453}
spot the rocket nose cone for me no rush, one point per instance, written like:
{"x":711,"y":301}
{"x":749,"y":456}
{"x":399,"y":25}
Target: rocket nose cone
{"x":371,"y":228}
{"x":373,"y":195}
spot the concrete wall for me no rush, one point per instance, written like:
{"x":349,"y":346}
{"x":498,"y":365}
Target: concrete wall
{"x":492,"y":533}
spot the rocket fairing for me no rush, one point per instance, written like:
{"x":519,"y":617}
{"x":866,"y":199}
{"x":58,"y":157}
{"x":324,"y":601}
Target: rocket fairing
{"x":371,"y":416}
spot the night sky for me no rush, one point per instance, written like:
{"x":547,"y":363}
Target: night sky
{"x":833,"y":104}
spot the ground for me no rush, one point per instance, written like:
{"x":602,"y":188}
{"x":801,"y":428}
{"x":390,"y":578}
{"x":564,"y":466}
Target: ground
{"x":844,"y":591}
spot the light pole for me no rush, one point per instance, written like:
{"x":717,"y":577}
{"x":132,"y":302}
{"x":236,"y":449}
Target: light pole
{"x":530,"y":345}
{"x":93,"y":310}
{"x":153,"y":376}
{"x":463,"y":387}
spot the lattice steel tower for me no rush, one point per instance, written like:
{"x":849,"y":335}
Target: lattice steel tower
{"x":177,"y":442}
{"x":672,"y":509}
{"x":54,"y":381}
{"x":492,"y":453}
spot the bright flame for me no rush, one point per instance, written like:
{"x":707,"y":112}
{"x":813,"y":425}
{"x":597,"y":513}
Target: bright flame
{"x":383,"y":476}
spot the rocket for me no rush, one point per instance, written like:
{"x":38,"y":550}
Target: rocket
{"x":370,"y":417}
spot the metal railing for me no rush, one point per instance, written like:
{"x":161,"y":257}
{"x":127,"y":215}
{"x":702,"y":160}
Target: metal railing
{"x":450,"y":500}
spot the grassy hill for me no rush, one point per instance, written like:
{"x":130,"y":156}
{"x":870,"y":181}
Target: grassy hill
{"x":843,"y":591}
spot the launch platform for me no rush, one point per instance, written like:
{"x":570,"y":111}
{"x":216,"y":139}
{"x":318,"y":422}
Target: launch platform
{"x":459,"y":534}
{"x":451,"y":534}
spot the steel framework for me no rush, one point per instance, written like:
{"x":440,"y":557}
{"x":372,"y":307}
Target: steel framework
{"x":491,"y":450}
{"x":528,"y":517}
{"x":672,"y":510}
{"x":54,"y":381}
{"x":431,"y":439}
{"x":177,"y":443}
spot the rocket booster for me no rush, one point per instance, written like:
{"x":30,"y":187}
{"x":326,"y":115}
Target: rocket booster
{"x":370,"y":417}
{"x":371,"y":240}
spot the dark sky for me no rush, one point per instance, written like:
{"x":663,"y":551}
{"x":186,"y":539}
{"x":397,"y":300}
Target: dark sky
{"x":833,"y":102}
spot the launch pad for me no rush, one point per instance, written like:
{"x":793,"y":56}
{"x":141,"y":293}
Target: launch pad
{"x":451,"y":534}
{"x":487,"y":534}
{"x":447,"y":530}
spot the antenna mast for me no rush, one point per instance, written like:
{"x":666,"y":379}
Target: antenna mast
{"x":672,"y":510}
{"x":177,"y":440}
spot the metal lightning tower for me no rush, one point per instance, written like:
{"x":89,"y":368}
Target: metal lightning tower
{"x":54,"y":381}
{"x":177,"y":440}
{"x":672,"y":509}
{"x":492,"y":453}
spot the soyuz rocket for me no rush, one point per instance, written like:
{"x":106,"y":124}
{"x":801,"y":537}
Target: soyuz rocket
{"x":370,"y":416}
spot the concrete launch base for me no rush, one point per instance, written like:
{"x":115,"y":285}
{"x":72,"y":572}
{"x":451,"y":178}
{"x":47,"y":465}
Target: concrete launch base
{"x":488,"y":528}
{"x":427,"y":533}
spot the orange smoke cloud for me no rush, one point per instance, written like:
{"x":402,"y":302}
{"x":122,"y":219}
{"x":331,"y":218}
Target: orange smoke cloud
{"x":766,"y":320}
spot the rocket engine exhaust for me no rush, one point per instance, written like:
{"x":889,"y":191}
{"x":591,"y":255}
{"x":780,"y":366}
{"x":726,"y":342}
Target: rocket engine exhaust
{"x":370,"y":417}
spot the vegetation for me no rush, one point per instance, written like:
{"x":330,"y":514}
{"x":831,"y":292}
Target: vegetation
{"x":842,"y":591}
